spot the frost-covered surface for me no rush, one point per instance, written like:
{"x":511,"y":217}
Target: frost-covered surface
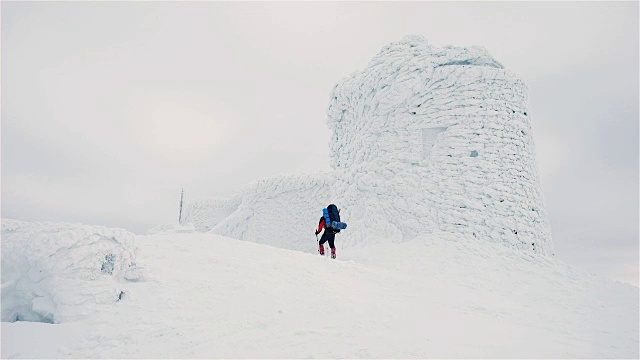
{"x":438,"y":296}
{"x":443,"y":138}
{"x":281,"y":211}
{"x":204,"y":214}
{"x":63,"y":272}
{"x":424,"y":140}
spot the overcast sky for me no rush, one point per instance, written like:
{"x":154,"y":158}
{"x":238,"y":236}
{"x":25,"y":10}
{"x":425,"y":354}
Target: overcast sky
{"x":109,"y":108}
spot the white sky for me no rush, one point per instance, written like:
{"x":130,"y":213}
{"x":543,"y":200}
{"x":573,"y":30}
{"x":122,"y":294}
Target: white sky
{"x":109,"y":108}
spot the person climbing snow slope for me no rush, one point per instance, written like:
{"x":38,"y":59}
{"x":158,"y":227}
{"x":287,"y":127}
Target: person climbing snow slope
{"x":329,"y":232}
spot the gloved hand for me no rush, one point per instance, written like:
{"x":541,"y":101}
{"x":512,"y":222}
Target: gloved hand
{"x":317,"y":233}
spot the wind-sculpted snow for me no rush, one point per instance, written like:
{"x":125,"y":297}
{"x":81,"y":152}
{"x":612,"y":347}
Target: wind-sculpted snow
{"x":281,"y":212}
{"x":204,"y":214}
{"x":437,"y":296}
{"x":62,"y":272}
{"x":424,"y":140}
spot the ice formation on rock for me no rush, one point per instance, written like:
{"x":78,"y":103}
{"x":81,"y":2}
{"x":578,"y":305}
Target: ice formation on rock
{"x":424,"y":140}
{"x":56,"y":273}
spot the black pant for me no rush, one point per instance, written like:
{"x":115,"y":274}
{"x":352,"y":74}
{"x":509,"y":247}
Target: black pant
{"x":328,"y":237}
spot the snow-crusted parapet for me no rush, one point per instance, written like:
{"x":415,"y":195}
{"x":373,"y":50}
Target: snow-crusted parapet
{"x":207,"y":213}
{"x":424,"y":140}
{"x":281,"y":211}
{"x":61,"y":272}
{"x":441,"y":137}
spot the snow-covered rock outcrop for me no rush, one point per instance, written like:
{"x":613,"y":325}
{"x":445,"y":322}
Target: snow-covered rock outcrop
{"x":424,"y":140}
{"x":55,"y":273}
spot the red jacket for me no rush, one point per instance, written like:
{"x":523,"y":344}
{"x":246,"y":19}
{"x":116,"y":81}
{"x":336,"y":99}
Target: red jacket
{"x":322,"y":225}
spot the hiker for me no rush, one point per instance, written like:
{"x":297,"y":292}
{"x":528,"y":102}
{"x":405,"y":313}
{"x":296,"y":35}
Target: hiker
{"x":331,"y":216}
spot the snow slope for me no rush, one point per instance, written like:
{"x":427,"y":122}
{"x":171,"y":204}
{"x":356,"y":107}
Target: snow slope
{"x":438,"y":296}
{"x":424,"y":140}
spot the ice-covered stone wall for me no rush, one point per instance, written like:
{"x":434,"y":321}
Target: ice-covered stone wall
{"x":282,"y":211}
{"x":204,"y":214}
{"x":56,"y":273}
{"x":424,"y":140}
{"x":442,"y":137}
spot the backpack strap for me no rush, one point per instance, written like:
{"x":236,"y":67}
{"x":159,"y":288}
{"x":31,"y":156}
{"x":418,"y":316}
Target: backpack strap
{"x":327,"y":219}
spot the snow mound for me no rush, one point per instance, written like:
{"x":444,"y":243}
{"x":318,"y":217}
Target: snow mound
{"x":424,"y":140}
{"x":57,"y":273}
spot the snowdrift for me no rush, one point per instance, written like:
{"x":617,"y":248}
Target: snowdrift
{"x":437,"y":296}
{"x":56,"y":273}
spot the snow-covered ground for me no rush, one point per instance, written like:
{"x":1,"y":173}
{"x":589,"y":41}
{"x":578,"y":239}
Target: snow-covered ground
{"x":210,"y":296}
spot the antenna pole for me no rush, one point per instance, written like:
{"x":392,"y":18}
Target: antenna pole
{"x":181,"y":198}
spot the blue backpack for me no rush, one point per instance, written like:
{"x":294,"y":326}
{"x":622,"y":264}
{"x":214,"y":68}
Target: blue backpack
{"x":332,"y":218}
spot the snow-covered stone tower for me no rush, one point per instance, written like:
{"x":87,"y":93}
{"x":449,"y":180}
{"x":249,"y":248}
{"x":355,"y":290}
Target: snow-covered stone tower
{"x":424,"y":140}
{"x":442,"y":138}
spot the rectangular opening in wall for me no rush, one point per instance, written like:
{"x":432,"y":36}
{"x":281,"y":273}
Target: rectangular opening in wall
{"x":429,"y":137}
